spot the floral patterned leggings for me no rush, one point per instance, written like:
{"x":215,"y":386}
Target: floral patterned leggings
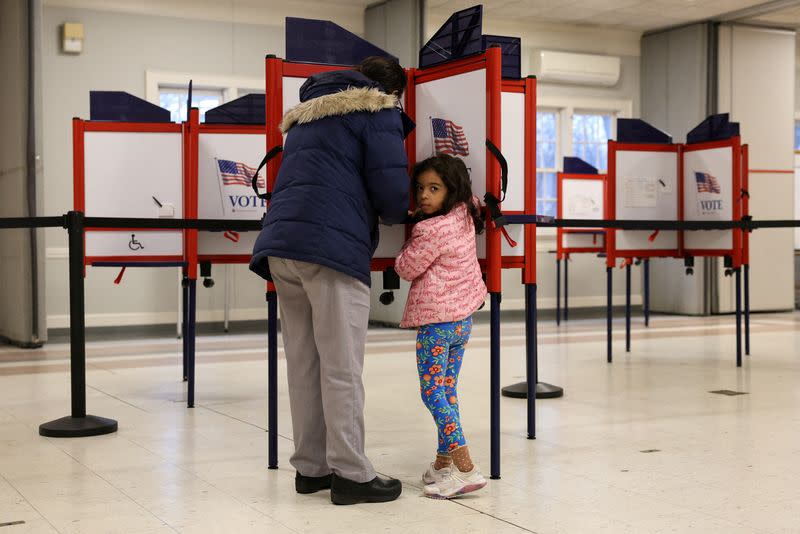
{"x":440,"y":348}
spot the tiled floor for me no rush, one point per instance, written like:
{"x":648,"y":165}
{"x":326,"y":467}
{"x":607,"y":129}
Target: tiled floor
{"x":718,"y":463}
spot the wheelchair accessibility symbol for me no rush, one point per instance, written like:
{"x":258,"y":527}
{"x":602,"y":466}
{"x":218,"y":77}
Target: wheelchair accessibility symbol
{"x":133,"y":244}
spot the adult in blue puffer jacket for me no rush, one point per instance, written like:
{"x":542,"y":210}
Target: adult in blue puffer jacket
{"x":344,"y":167}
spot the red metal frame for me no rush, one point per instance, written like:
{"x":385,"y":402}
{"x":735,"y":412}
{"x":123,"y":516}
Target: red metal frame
{"x":611,"y":208}
{"x":493,"y":128}
{"x":527,"y":259}
{"x":191,"y":192}
{"x":746,"y":202}
{"x":529,"y":269}
{"x":277,"y":69}
{"x":79,"y":129}
{"x":253,"y":129}
{"x":563,"y":252}
{"x":737,"y":242}
{"x":491,"y":60}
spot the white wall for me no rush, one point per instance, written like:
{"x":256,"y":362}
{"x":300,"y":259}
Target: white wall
{"x":122,"y":41}
{"x":759,"y":95}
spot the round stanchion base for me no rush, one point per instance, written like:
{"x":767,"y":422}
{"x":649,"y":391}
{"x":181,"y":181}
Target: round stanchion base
{"x":78,"y":427}
{"x":543,"y":391}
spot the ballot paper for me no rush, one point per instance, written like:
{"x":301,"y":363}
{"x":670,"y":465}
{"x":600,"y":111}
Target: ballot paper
{"x":583,"y":207}
{"x":640,"y":192}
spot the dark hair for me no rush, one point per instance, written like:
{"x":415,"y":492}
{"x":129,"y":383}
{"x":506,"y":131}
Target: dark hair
{"x":455,"y":176}
{"x":386,"y":71}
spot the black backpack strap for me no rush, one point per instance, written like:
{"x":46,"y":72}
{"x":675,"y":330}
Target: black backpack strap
{"x":492,"y":202}
{"x":254,"y":180}
{"x":501,"y":159}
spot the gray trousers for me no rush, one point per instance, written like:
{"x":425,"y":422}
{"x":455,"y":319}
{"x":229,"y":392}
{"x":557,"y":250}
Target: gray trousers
{"x":324,"y":317}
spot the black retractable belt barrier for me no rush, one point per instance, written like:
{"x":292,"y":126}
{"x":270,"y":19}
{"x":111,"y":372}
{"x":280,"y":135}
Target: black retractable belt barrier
{"x":80,"y":424}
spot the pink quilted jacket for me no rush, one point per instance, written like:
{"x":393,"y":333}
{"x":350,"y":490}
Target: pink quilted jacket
{"x":441,"y":262}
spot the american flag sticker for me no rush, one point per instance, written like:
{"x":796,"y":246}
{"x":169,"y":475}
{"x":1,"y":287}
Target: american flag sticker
{"x":235,"y":173}
{"x":235,"y":187}
{"x":448,"y":138}
{"x":706,"y":183}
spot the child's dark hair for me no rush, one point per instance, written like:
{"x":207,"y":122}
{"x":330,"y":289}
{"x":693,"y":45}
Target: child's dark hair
{"x":386,"y":71}
{"x":455,"y":176}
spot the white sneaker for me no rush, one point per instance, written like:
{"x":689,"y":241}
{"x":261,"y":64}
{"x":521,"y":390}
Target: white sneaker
{"x":433,"y":475}
{"x":455,"y":483}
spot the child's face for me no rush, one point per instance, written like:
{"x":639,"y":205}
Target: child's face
{"x":431,"y":192}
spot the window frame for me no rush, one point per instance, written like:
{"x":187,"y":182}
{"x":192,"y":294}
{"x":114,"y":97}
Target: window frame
{"x":566,"y":107}
{"x":230,"y":86}
{"x":558,"y":141}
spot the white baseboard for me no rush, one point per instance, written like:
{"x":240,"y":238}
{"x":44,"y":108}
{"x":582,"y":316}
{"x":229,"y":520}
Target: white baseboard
{"x":257,"y":314}
{"x":593,"y":301}
{"x":151,"y":318}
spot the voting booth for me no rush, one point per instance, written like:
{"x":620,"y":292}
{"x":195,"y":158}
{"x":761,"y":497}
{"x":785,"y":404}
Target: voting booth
{"x":580,"y":194}
{"x":462,"y":106}
{"x":128,"y":162}
{"x":650,"y":178}
{"x":643,"y":184}
{"x":228,"y":142}
{"x":715,"y":189}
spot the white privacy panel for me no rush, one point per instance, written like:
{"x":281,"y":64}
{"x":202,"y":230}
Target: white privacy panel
{"x":512,"y":133}
{"x":291,"y":92}
{"x":582,"y":199}
{"x":134,"y":244}
{"x":708,"y":195}
{"x":391,"y":241}
{"x":391,"y":237}
{"x":646,"y":188}
{"x":515,"y":232}
{"x":584,"y":240}
{"x":460,"y":99}
{"x":125,"y":173}
{"x":224,"y":162}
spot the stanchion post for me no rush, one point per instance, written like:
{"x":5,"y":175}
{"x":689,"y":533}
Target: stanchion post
{"x":184,"y":322}
{"x":646,"y":267}
{"x":738,"y":282}
{"x":272,"y":378}
{"x":494,"y":378}
{"x":628,"y":307}
{"x":78,"y":424}
{"x":191,"y":333}
{"x":566,"y":288}
{"x":558,"y":291}
{"x":532,"y":356}
{"x":747,"y":309}
{"x":608,"y":314}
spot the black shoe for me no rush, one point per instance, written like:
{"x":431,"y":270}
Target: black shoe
{"x":344,"y":491}
{"x":307,"y":485}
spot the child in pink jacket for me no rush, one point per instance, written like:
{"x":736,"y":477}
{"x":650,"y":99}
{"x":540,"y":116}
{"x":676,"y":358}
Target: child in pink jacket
{"x":441,"y":262}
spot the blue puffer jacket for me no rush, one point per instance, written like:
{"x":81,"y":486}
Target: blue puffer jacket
{"x":344,"y":166}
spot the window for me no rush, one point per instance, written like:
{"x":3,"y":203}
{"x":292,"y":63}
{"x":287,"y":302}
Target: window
{"x":567,"y":126}
{"x":797,"y":135}
{"x":546,"y":161}
{"x":170,"y":90}
{"x":590,"y":135}
{"x":174,"y":99}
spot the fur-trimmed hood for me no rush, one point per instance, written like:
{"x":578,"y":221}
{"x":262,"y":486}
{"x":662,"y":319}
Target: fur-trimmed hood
{"x":351,"y":100}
